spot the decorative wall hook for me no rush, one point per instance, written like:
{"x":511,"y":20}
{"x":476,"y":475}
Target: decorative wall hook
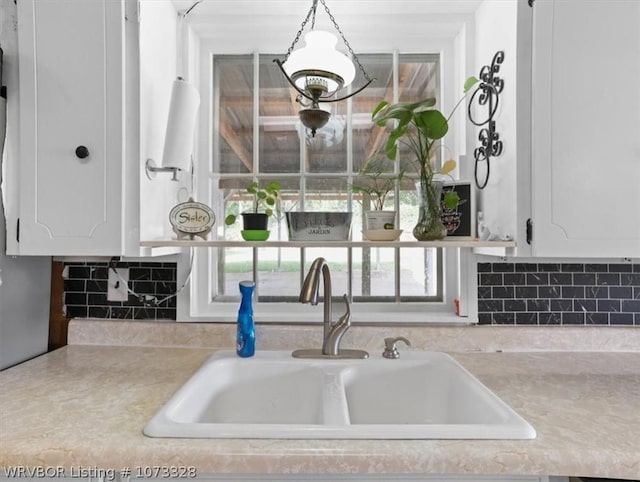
{"x":487,"y":93}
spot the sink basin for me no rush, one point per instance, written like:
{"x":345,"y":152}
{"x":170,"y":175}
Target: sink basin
{"x":423,"y":395}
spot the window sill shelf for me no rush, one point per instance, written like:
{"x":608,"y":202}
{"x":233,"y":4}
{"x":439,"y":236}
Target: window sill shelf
{"x":445,"y":243}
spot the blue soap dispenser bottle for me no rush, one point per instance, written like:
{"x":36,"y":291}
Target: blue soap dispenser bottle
{"x":246,"y":335}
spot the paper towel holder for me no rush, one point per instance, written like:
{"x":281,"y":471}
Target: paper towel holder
{"x":181,"y":124}
{"x":151,"y":170}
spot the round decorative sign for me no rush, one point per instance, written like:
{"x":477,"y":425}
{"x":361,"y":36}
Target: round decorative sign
{"x":192,"y":219}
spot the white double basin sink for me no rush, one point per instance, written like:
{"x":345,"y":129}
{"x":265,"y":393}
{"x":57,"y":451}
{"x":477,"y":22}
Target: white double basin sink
{"x":422,"y":395}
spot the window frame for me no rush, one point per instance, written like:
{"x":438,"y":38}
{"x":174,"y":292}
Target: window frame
{"x":459,"y":296}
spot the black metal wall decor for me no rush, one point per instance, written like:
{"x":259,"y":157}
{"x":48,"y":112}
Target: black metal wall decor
{"x":487,"y":94}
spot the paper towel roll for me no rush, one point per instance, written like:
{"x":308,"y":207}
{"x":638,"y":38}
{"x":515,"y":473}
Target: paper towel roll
{"x":181,"y":126}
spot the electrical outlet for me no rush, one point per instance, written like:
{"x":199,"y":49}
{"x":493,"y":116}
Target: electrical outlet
{"x":117,"y":288}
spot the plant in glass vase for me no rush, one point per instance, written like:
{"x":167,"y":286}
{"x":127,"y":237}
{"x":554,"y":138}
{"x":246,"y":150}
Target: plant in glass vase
{"x":419,"y":126}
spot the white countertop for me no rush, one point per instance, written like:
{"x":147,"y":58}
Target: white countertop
{"x":86,"y":405}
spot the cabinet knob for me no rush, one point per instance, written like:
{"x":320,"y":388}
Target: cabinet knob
{"x":82,"y":152}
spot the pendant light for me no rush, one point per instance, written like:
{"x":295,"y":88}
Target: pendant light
{"x":318,"y":71}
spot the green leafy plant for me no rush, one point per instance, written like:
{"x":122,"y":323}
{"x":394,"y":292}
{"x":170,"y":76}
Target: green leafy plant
{"x":419,"y":126}
{"x":265,"y":200}
{"x":377,"y":180}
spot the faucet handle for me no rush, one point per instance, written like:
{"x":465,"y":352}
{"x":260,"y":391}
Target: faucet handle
{"x":344,"y":322}
{"x":347,"y":305}
{"x":390,"y":350}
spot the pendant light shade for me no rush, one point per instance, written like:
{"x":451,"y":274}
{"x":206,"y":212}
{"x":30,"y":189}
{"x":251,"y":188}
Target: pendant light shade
{"x":319,"y":64}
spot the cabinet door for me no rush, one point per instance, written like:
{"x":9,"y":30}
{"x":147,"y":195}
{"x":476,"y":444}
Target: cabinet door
{"x":71,"y":126}
{"x":586,"y":128}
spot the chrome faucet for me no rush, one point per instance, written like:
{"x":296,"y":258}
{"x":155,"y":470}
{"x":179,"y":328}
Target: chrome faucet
{"x":332,"y":337}
{"x":332,"y":332}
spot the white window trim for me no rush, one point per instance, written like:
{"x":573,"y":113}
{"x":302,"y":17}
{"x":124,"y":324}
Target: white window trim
{"x":196,"y":304}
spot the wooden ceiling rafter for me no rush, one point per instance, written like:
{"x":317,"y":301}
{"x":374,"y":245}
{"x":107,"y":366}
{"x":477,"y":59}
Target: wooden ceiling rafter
{"x":277,"y":105}
{"x":233,"y":140}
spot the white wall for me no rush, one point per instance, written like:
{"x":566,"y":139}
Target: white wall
{"x":158,"y":41}
{"x":496,"y":27}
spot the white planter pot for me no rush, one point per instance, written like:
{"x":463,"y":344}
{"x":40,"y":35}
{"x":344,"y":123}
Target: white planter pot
{"x":380,"y":220}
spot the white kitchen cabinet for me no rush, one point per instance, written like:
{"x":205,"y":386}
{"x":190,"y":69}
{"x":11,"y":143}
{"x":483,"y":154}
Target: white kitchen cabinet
{"x":569,"y":119}
{"x":76,"y":129}
{"x":585,"y":162}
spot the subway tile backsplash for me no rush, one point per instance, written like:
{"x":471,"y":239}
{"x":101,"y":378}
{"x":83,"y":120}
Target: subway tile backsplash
{"x":508,"y":293}
{"x":85,"y":291}
{"x":559,"y":293}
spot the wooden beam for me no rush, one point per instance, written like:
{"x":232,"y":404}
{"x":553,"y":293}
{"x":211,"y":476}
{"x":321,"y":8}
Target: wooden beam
{"x":232,"y":138}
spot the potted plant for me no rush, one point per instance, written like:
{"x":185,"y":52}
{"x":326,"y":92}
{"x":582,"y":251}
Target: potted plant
{"x":376,"y":180}
{"x":419,"y":126}
{"x":266,"y":202}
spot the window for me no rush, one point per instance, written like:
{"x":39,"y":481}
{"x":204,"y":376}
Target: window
{"x":257,"y":136}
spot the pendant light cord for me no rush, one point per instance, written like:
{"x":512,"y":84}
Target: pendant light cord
{"x":311,"y":14}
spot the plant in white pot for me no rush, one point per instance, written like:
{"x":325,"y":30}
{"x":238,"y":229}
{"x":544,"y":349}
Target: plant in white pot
{"x":419,"y":127}
{"x":376,"y":181}
{"x":265,"y":203}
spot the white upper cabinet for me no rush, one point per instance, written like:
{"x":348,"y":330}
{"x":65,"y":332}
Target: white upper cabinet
{"x":73,"y":129}
{"x":586,"y":128}
{"x":85,"y":128}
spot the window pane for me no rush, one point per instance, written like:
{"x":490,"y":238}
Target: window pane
{"x":327,"y":150}
{"x":234,"y":82}
{"x":315,"y":173}
{"x":367,"y":137}
{"x":374,"y":273}
{"x":419,"y":79}
{"x":234,"y":265}
{"x":278,"y":274}
{"x":278,"y":121}
{"x":357,"y":222}
{"x":408,"y":207}
{"x":326,"y":194}
{"x":420,"y":271}
{"x":338,"y":261}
